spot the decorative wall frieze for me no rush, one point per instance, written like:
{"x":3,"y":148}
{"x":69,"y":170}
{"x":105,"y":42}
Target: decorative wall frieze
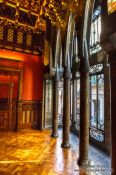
{"x":31,"y":105}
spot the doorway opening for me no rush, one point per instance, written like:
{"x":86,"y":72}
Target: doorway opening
{"x":9,"y":82}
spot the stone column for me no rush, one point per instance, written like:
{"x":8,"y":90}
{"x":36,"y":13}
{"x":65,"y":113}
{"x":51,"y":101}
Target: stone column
{"x":43,"y":105}
{"x":84,"y":119}
{"x":55,"y":108}
{"x":113,"y":113}
{"x":74,"y":102}
{"x":107,"y":107}
{"x":66,"y":109}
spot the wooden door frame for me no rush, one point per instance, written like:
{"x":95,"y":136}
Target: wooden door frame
{"x":19,"y":95}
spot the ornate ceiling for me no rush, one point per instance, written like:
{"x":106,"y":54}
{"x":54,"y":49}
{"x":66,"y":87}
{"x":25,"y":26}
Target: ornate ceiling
{"x":32,"y":14}
{"x":23,"y":13}
{"x":23,"y":22}
{"x":58,"y":11}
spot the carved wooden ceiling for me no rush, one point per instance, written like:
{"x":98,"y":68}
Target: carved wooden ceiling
{"x":58,"y":11}
{"x":31,"y":16}
{"x":33,"y":13}
{"x":23,"y":13}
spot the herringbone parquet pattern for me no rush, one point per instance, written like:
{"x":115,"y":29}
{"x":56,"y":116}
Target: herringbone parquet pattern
{"x":35,"y":153}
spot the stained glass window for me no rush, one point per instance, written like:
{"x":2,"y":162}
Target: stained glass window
{"x":97,"y":106}
{"x":95,"y":32}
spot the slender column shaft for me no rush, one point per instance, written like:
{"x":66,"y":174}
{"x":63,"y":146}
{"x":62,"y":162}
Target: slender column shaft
{"x":66,"y":110}
{"x":74,"y":102}
{"x":84,"y":119}
{"x":107,"y":108}
{"x":55,"y":110}
{"x":113,"y":116}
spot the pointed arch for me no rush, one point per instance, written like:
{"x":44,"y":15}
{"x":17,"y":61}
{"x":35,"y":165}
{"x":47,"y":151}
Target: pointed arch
{"x":58,"y":50}
{"x":87,"y":17}
{"x":69,"y":38}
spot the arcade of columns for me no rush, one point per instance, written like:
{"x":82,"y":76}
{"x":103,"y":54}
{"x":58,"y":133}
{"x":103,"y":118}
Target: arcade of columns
{"x":84,"y":90}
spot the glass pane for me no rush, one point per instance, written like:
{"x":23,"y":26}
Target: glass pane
{"x":101,"y":101}
{"x":99,"y":27}
{"x":97,"y":107}
{"x":95,"y":32}
{"x":93,"y":120}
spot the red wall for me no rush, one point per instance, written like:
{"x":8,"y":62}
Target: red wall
{"x":5,"y":87}
{"x":32,"y":72}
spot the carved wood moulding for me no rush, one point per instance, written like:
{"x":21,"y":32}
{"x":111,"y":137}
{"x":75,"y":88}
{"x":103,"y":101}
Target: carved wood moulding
{"x":33,"y":5}
{"x":31,"y":18}
{"x":19,"y":39}
{"x":33,"y":13}
{"x":31,"y":105}
{"x":30,"y":113}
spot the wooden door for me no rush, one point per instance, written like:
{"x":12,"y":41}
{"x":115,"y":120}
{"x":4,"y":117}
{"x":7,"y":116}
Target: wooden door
{"x":4,"y":108}
{"x":7,"y":103}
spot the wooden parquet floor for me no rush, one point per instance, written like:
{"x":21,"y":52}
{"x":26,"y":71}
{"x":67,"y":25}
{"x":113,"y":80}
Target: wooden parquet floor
{"x":35,"y":153}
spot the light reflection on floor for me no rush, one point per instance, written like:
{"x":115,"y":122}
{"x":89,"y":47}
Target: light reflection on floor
{"x":99,"y":158}
{"x":36,"y":153}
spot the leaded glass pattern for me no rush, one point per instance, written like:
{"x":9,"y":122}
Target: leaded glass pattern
{"x":29,"y":40}
{"x":20,"y":37}
{"x":1,"y":32}
{"x":96,"y":68}
{"x":97,"y":107}
{"x":95,"y":32}
{"x":10,"y":35}
{"x":96,"y":103}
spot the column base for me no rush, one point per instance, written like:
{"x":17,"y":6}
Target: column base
{"x":17,"y":129}
{"x":65,"y":145}
{"x":54,"y":135}
{"x":85,"y":163}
